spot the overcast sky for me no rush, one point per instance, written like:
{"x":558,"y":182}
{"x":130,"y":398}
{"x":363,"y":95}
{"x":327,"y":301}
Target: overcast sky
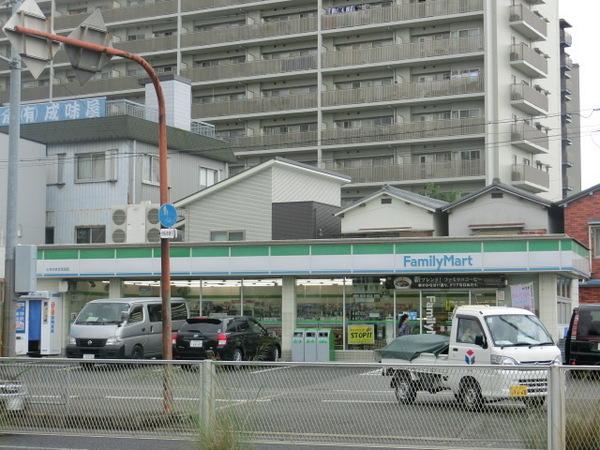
{"x":584,"y":16}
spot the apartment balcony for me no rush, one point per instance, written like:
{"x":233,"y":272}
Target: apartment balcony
{"x":394,"y":173}
{"x":109,"y":85}
{"x":121,"y":14}
{"x":401,"y":52}
{"x":528,"y":99}
{"x":429,"y":9}
{"x":565,"y":38}
{"x":530,"y":178}
{"x":528,"y":61}
{"x":403,"y":132}
{"x":566,"y":64}
{"x":403,"y":91}
{"x":566,"y":86}
{"x":255,"y":105}
{"x":193,"y":5}
{"x":249,"y":32}
{"x":528,"y":138}
{"x":252,"y":68}
{"x":529,"y":24}
{"x":266,"y":141}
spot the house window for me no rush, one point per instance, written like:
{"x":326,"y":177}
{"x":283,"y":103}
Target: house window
{"x":386,"y":201}
{"x":208,"y":177}
{"x":595,"y":233}
{"x":49,"y":235}
{"x":90,"y":167}
{"x":95,"y":234}
{"x":227,"y":235}
{"x":151,"y":169}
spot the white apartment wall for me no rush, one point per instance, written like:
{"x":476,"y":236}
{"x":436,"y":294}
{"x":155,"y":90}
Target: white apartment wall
{"x":398,"y":214}
{"x":487,"y":210}
{"x":292,"y":185}
{"x":31,"y":191}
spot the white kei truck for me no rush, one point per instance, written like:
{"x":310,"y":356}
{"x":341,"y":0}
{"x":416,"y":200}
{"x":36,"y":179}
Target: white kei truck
{"x":480,"y":335}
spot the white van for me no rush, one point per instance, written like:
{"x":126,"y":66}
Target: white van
{"x":122,"y":328}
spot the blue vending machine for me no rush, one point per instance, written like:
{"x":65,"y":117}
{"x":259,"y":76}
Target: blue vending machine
{"x":38,"y":324}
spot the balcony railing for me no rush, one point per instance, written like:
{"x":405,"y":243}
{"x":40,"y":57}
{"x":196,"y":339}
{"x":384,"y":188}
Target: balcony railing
{"x":404,"y":91}
{"x":111,"y":15}
{"x":528,"y":61}
{"x":403,"y":131}
{"x":412,"y":171}
{"x":565,"y":38}
{"x":193,"y":5}
{"x":530,"y":178}
{"x":566,"y":62}
{"x":442,"y":47}
{"x":528,"y":99}
{"x":252,"y":68}
{"x":68,"y":89}
{"x":259,"y":142}
{"x":247,"y":32}
{"x":400,"y":12}
{"x":255,"y":105}
{"x":529,"y":24}
{"x":529,"y":138}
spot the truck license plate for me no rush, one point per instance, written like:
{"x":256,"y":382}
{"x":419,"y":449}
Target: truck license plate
{"x":88,"y":356}
{"x":195,"y":344}
{"x":518,"y":391}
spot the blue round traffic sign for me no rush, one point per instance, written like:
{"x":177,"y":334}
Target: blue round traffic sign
{"x":167,"y":214}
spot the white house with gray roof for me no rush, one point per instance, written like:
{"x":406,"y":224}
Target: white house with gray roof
{"x":393,"y":212}
{"x":278,"y":199}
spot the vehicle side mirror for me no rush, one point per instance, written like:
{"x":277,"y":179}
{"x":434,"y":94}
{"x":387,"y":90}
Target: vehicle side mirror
{"x":124,"y":316}
{"x":480,"y":341}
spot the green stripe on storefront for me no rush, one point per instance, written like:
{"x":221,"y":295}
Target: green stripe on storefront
{"x":331,"y":249}
{"x":40,"y":254}
{"x":250,"y":251}
{"x":97,"y":253}
{"x":208,"y":252}
{"x":566,"y":244}
{"x":60,"y":254}
{"x":439,"y":247}
{"x":543,"y":246}
{"x":134,"y":253}
{"x":290,"y":250}
{"x":373,"y":249}
{"x":505,"y":246}
{"x":175,"y":252}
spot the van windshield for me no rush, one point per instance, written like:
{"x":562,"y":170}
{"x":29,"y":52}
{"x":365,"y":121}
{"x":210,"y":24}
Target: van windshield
{"x":515,"y":330}
{"x":101,"y":313}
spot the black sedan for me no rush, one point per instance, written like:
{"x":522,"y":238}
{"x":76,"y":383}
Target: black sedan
{"x":230,"y":338}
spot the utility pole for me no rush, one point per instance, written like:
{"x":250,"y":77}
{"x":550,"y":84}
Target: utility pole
{"x":12,"y":179}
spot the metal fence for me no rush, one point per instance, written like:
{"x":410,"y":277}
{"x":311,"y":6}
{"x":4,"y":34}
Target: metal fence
{"x":512,"y":407}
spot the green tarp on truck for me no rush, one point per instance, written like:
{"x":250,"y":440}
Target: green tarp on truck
{"x":409,"y":347}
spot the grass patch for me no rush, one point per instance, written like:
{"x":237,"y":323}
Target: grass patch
{"x":223,"y":432}
{"x":583,"y":426}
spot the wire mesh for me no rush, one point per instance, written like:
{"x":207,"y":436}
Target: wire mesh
{"x":582,"y":408}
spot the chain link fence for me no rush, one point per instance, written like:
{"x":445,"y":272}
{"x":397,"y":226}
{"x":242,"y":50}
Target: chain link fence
{"x":512,"y":407}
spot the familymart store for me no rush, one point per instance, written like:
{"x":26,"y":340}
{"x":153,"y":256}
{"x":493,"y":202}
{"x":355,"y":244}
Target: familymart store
{"x":346,"y":285}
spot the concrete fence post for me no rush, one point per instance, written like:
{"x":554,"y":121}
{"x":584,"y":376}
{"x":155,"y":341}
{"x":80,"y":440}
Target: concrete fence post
{"x":208,"y":394}
{"x":556,"y":409}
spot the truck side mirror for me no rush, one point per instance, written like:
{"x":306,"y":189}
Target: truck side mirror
{"x":480,"y":341}
{"x":124,"y":316}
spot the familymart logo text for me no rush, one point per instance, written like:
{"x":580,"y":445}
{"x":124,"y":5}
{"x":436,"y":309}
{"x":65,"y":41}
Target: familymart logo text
{"x":437,"y":262}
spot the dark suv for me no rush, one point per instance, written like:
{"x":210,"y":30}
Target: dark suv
{"x":582,"y":344}
{"x":231,"y":338}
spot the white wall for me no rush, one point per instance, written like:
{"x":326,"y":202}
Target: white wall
{"x":398,"y":214}
{"x":292,"y":185}
{"x":487,"y":210}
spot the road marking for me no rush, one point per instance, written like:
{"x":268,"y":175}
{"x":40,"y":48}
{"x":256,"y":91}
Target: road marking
{"x":345,"y":391}
{"x":372,"y":372}
{"x":362,"y":402}
{"x":272,"y":369}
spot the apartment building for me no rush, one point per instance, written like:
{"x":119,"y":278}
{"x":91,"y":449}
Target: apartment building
{"x":388,"y":92}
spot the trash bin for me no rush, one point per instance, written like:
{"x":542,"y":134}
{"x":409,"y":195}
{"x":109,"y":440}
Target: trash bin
{"x":310,"y":344}
{"x":325,"y":347}
{"x":298,"y":345}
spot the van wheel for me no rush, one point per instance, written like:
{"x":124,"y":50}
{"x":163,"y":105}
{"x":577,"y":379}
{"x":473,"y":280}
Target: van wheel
{"x":470,"y":395}
{"x":137,"y":352}
{"x":405,"y":390}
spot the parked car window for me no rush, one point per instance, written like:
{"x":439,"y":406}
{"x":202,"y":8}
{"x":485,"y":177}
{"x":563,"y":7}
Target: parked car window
{"x":233,"y":326}
{"x":243,"y":326}
{"x":178,"y":311}
{"x":136,"y":314}
{"x":589,"y":323}
{"x":256,"y":328}
{"x":468,"y":329}
{"x":155,"y":313}
{"x":204,"y":326}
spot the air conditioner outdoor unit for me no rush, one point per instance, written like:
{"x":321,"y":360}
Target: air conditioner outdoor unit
{"x":135,"y":224}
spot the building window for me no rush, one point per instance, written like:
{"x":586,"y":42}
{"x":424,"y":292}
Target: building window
{"x":595,"y":234}
{"x":90,"y":234}
{"x":227,"y":235}
{"x":90,"y":167}
{"x":49,"y":235}
{"x":386,"y":201}
{"x":208,"y":177}
{"x":151,"y":169}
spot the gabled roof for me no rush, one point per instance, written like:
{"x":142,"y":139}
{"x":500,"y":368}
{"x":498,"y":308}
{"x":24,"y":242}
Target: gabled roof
{"x":498,"y":186}
{"x":428,"y":203}
{"x":333,"y":176}
{"x":571,"y":198}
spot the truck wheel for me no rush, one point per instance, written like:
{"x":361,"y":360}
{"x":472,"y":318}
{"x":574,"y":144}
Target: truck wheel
{"x":534,"y":402}
{"x":470,"y":395}
{"x":405,"y":391}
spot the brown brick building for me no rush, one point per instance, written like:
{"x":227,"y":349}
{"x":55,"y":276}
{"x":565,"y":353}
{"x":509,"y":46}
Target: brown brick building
{"x":582,"y":222}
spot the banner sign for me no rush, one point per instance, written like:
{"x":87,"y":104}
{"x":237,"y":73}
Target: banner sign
{"x":522,"y":296}
{"x":87,"y":108}
{"x":20,"y":317}
{"x":361,"y":334}
{"x":449,"y":282}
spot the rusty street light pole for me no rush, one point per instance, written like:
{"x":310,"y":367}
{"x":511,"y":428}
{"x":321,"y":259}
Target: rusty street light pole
{"x":165,"y":265}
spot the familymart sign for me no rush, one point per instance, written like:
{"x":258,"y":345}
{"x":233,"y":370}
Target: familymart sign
{"x":340,"y":257}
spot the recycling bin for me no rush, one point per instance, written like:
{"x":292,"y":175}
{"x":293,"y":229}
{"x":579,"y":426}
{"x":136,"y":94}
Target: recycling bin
{"x":310,"y":345}
{"x":298,"y":345}
{"x":325,"y":345}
